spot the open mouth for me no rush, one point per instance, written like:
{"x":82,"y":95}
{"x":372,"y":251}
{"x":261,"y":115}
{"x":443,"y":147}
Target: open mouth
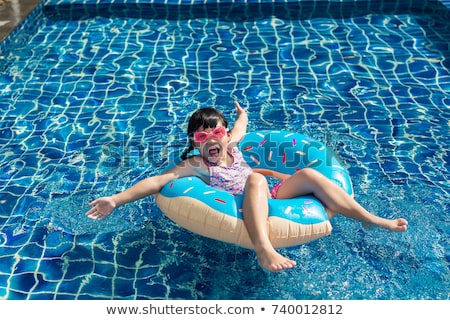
{"x":214,"y":151}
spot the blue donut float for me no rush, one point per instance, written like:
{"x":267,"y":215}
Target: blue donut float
{"x":216,"y":214}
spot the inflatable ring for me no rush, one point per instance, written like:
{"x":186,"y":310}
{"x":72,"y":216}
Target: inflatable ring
{"x":214,"y":213}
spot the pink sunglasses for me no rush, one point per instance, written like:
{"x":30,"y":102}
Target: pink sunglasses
{"x":202,"y":136}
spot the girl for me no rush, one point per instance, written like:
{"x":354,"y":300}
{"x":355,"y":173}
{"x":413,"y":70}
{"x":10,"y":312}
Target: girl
{"x":220,"y":164}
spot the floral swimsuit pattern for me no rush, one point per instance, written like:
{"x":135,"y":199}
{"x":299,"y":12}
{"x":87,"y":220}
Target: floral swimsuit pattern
{"x":230,"y":178}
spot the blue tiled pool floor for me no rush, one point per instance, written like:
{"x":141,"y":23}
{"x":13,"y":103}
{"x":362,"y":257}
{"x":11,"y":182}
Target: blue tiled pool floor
{"x":94,"y":98}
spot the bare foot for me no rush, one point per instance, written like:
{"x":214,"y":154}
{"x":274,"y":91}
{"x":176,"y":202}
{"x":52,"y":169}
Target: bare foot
{"x":398,"y":225}
{"x":395,"y":225}
{"x":272,"y":261}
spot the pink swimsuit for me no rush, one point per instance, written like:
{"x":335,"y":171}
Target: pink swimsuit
{"x":233,"y":178}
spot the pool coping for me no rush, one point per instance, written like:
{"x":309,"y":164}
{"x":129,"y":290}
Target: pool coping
{"x":12,"y":13}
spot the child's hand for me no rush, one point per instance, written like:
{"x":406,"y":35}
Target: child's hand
{"x":240,"y":126}
{"x":101,"y":208}
{"x":239,"y":109}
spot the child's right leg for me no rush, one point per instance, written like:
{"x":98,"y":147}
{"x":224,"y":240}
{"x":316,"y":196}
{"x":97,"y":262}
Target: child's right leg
{"x":256,"y":210}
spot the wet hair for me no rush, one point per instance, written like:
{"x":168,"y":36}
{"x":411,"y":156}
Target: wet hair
{"x":202,"y":118}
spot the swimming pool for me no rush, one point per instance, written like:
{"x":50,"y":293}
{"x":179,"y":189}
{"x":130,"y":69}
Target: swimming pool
{"x":95,"y":97}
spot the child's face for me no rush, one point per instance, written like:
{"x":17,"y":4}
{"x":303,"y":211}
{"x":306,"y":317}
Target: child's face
{"x":212,"y":142}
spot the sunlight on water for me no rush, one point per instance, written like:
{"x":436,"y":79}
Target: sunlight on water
{"x":92,"y":104}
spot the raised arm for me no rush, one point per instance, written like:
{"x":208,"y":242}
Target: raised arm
{"x":240,"y":126}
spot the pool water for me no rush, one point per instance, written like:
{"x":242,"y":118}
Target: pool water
{"x":94,"y":98}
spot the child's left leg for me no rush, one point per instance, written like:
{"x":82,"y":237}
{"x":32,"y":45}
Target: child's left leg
{"x":310,"y":181}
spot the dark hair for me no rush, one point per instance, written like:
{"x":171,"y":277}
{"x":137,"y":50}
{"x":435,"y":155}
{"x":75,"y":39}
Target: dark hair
{"x":202,"y":118}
